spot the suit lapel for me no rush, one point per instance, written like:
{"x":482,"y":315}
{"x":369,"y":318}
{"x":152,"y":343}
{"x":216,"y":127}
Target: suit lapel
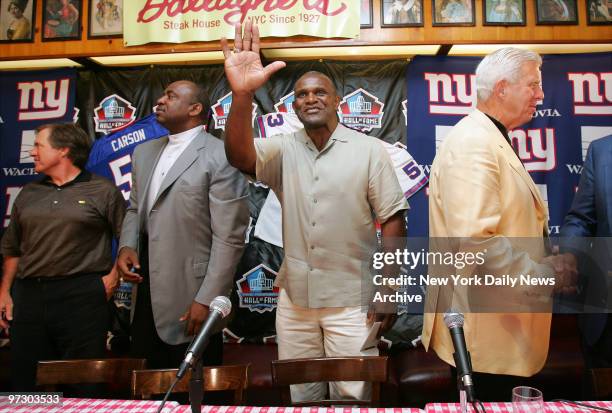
{"x":189,"y":155}
{"x":155,"y":150}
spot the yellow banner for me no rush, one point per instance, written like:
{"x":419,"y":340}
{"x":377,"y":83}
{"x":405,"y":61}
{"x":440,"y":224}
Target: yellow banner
{"x":179,"y":21}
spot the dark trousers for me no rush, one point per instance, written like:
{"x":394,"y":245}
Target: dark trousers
{"x":599,"y":354}
{"x":56,"y":319}
{"x":146,"y":343}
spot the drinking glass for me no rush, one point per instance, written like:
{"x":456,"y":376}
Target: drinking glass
{"x":527,"y":400}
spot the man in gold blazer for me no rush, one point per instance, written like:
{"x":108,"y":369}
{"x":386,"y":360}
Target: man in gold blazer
{"x":480,"y":189}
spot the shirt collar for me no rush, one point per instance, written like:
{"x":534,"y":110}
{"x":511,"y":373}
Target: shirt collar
{"x":499,"y":126}
{"x":83,"y":176}
{"x":183,"y":138}
{"x":339,"y":134}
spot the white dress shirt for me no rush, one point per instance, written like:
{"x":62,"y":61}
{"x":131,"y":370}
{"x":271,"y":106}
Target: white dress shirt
{"x":173,"y":149}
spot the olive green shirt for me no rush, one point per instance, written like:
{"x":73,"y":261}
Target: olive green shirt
{"x":330,"y":200}
{"x":64,"y":230}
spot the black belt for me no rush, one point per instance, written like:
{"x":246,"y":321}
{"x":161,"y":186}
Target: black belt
{"x":54,"y":278}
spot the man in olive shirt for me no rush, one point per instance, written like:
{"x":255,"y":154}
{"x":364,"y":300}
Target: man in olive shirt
{"x":57,"y":257}
{"x":331,"y":182}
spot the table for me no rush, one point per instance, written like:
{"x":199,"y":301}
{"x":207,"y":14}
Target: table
{"x":252,"y":409}
{"x":151,"y":406}
{"x":92,"y":405}
{"x":549,"y":407}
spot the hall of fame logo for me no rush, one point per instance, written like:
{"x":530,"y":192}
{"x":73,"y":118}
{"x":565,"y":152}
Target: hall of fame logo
{"x":113,"y":113}
{"x":256,"y":290}
{"x":220,"y":111}
{"x":361,"y":110}
{"x":285,"y":104}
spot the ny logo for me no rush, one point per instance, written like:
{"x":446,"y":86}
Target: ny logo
{"x":536,"y":148}
{"x":451,"y":94}
{"x":43,"y":100}
{"x":592,"y":93}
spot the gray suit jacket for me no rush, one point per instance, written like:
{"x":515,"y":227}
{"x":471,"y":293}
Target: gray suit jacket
{"x":196,"y":228}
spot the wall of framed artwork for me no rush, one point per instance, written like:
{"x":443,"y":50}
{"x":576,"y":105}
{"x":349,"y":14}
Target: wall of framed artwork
{"x":599,"y":12}
{"x":105,"y":18}
{"x":592,"y":27}
{"x":62,"y":19}
{"x":504,"y":12}
{"x":17,"y":19}
{"x":556,"y":12}
{"x":453,"y":13}
{"x":367,"y":20}
{"x":401,"y":13}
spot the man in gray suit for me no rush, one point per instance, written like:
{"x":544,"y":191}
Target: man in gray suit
{"x":183,"y":233}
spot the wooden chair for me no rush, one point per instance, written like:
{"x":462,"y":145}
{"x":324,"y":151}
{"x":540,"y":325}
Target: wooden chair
{"x":601,"y":381}
{"x":312,"y":370}
{"x":146,"y":383}
{"x":116,"y":373}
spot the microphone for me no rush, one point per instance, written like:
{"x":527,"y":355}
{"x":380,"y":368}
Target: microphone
{"x":220,"y":308}
{"x":463,"y":363}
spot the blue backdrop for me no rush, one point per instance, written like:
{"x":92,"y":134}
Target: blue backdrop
{"x":577,"y":109}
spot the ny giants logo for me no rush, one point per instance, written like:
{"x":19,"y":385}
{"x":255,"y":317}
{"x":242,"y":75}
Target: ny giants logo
{"x":43,"y":100}
{"x":536,"y":148}
{"x":592,"y":93}
{"x":451,"y":93}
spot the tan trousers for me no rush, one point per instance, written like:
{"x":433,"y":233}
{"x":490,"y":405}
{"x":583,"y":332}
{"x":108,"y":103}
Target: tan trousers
{"x":322,"y":332}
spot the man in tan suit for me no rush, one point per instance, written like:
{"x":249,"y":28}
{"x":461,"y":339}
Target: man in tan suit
{"x":480,"y":189}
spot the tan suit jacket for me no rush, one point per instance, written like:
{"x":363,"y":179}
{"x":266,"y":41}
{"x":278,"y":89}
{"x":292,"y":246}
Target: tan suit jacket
{"x":480,"y":189}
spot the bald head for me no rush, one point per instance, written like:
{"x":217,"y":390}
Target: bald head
{"x":183,"y":106}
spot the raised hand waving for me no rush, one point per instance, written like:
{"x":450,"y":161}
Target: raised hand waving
{"x":243,"y":68}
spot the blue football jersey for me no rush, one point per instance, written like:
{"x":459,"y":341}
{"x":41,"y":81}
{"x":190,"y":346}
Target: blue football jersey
{"x":111,"y":155}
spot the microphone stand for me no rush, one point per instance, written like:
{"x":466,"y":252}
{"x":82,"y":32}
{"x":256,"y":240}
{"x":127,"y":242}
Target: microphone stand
{"x":196,"y":387}
{"x":462,"y":396}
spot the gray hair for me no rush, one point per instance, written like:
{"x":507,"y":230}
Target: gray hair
{"x":502,"y":64}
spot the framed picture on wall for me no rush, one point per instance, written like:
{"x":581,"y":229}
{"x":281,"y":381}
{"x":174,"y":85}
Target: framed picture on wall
{"x":556,"y":12}
{"x":599,"y":11}
{"x":366,"y":14}
{"x":401,"y":13}
{"x":453,"y":13}
{"x":17,"y":20}
{"x":62,"y":19}
{"x":504,"y":12}
{"x":105,"y":18}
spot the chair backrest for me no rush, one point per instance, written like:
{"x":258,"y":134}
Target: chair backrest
{"x":146,"y":383}
{"x":311,"y":370}
{"x":601,"y":380}
{"x":115,"y":372}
